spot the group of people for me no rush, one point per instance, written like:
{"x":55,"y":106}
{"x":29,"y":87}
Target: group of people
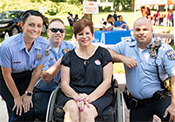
{"x":158,"y":19}
{"x":70,"y":18}
{"x":113,"y":22}
{"x":30,"y":66}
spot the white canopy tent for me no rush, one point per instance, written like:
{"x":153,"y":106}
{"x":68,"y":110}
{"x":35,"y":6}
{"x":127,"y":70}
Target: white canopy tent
{"x":155,"y":2}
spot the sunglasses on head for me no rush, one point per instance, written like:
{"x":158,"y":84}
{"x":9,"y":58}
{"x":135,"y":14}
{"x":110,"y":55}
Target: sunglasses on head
{"x":55,"y":30}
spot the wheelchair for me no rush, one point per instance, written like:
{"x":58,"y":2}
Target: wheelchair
{"x":114,"y":113}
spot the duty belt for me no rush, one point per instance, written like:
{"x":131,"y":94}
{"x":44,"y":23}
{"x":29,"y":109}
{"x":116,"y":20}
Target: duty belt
{"x":137,"y":103}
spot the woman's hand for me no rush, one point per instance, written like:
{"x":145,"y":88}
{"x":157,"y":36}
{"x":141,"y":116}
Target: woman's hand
{"x":81,"y":101}
{"x":27,"y":102}
{"x":18,"y":104}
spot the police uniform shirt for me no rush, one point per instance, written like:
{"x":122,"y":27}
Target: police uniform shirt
{"x":14,"y":53}
{"x":142,"y":81}
{"x":64,"y":47}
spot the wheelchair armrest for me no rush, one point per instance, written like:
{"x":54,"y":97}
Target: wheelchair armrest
{"x":115,"y":83}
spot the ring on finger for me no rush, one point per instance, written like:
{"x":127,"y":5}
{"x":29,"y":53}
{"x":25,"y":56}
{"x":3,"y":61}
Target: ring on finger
{"x":29,"y":103}
{"x":17,"y":106}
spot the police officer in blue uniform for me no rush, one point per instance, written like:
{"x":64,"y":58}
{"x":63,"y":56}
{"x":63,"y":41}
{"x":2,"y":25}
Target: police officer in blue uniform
{"x":140,"y":60}
{"x":22,"y":59}
{"x":51,"y":70}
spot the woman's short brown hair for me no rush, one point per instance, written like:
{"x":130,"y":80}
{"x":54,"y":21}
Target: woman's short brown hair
{"x":81,"y":24}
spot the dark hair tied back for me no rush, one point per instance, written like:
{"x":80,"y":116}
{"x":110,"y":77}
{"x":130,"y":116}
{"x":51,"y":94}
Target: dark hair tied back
{"x":28,"y":13}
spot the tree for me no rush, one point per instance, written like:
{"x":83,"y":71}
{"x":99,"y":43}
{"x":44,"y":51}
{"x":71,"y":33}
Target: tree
{"x":116,"y":5}
{"x":126,"y":5}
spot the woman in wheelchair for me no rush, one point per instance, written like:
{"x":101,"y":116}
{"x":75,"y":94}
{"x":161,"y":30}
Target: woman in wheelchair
{"x":85,"y":77}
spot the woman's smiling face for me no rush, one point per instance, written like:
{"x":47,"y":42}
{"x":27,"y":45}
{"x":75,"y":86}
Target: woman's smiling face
{"x":84,"y":37}
{"x":32,"y":27}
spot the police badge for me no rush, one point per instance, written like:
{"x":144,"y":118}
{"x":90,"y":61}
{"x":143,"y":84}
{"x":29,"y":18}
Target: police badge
{"x":65,"y":50}
{"x":38,"y":57}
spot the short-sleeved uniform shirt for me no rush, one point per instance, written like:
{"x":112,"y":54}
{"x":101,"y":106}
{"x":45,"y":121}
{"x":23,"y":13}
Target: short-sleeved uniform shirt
{"x":142,"y":81}
{"x":86,"y":75}
{"x":14,"y":53}
{"x":54,"y":56}
{"x":117,"y":23}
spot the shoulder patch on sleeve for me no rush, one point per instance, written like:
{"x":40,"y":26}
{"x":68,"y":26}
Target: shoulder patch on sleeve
{"x":170,"y":54}
{"x":47,"y":52}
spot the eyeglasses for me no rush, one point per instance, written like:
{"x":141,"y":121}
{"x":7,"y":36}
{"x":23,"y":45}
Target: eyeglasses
{"x":55,"y":30}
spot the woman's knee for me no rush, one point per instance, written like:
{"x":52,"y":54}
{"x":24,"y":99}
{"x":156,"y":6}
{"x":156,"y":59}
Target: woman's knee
{"x":89,"y":112}
{"x":71,"y":106}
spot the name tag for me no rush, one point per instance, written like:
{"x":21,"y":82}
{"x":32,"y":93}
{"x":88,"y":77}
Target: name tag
{"x":16,"y":62}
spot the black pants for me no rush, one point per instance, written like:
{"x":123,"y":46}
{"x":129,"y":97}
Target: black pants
{"x":22,"y":81}
{"x":146,"y":112}
{"x":41,"y":102}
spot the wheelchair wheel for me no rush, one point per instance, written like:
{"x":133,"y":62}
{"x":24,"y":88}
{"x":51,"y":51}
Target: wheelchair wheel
{"x":51,"y":104}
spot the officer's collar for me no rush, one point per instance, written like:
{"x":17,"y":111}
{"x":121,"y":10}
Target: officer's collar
{"x":35,"y":44}
{"x":134,"y":43}
{"x":62,"y":46}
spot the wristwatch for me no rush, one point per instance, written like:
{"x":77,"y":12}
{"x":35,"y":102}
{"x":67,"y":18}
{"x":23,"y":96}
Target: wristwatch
{"x":28,"y":93}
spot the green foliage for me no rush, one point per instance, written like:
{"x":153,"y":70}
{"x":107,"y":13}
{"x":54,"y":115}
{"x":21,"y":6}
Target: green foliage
{"x":116,"y":5}
{"x":101,"y":9}
{"x":173,"y":47}
{"x":106,"y":9}
{"x":54,"y":7}
{"x":126,"y":5}
{"x":73,"y":8}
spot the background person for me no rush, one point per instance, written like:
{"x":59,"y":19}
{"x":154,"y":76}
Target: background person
{"x":115,"y":15}
{"x":120,"y":23}
{"x":141,"y":74}
{"x":108,"y":25}
{"x":51,"y":70}
{"x":148,"y":13}
{"x":22,"y":58}
{"x":157,"y":17}
{"x":76,"y":18}
{"x":71,"y":20}
{"x":143,"y":11}
{"x":86,"y":74}
{"x":169,"y":17}
{"x":68,"y":15}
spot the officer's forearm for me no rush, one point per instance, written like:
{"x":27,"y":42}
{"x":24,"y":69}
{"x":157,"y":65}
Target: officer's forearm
{"x":10,"y":82}
{"x":34,"y":78}
{"x":50,"y":73}
{"x":115,"y":56}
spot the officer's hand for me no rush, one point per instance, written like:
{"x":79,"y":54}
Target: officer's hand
{"x":171,"y":111}
{"x":129,"y":62}
{"x":27,"y":102}
{"x":18,"y":103}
